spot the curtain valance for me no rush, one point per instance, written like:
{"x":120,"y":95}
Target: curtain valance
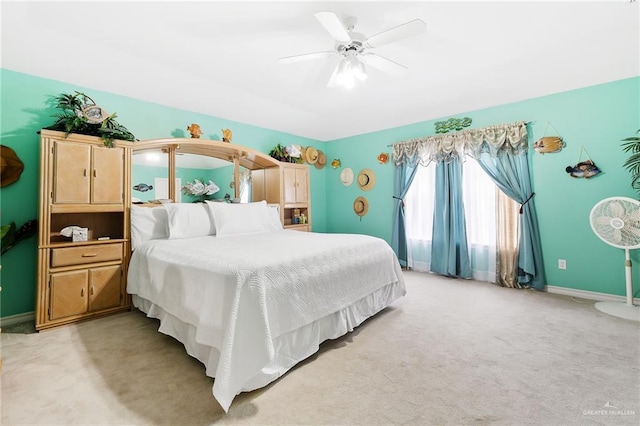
{"x":495,"y":140}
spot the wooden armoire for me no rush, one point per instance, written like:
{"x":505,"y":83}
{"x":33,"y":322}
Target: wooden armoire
{"x":82,"y":184}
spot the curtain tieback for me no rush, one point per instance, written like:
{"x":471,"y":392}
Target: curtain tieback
{"x":526,"y":201}
{"x":401,"y":200}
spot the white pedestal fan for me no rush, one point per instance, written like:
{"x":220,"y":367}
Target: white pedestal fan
{"x":616,"y":221}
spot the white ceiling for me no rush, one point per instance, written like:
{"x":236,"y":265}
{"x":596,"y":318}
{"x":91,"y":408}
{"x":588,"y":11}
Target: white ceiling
{"x":220,"y":58}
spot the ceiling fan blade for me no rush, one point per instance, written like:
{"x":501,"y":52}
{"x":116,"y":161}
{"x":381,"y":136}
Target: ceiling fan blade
{"x":408,"y":29}
{"x":332,"y":24}
{"x":384,"y":64}
{"x":306,"y":57}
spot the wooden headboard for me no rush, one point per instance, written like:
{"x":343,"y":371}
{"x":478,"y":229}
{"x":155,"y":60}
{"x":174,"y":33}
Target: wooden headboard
{"x":237,"y":154}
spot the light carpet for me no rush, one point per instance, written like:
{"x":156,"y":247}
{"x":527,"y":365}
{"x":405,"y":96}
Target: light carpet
{"x":452,"y":352}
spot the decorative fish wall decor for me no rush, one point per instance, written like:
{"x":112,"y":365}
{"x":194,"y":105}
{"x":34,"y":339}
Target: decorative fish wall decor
{"x":584,"y":169}
{"x":143,"y":187}
{"x":195,"y":130}
{"x":549,"y":144}
{"x":227,"y":135}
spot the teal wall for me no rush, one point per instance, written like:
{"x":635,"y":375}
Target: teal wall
{"x":26,"y":106}
{"x":596,"y":117}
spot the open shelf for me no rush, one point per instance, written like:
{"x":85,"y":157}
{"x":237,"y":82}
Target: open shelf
{"x":109,"y":224}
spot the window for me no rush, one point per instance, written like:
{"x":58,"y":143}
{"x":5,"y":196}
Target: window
{"x":479,"y":198}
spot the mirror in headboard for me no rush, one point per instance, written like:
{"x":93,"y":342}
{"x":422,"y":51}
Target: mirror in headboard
{"x":192,"y":167}
{"x":182,"y":161}
{"x":149,"y":175}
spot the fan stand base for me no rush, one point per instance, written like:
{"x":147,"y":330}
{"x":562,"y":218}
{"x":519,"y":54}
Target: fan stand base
{"x":620,"y":310}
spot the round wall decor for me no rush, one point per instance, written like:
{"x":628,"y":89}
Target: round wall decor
{"x":322,"y":160}
{"x":346,"y":176}
{"x":311,"y":155}
{"x":11,"y":167}
{"x":366,"y":179}
{"x":361,"y":206}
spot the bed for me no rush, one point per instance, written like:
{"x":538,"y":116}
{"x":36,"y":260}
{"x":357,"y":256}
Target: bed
{"x":248,"y":298}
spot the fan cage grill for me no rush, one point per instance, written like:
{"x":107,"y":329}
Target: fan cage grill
{"x":616,"y":221}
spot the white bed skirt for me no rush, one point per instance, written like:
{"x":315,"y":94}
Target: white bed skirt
{"x":290,"y":348}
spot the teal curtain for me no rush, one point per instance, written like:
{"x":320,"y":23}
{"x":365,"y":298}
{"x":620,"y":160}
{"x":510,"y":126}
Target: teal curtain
{"x":402,"y":178}
{"x":502,"y":151}
{"x":510,"y":172}
{"x":449,"y":248}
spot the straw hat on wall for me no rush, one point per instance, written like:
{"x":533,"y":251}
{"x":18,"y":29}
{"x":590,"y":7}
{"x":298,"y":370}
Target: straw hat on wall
{"x":366,"y":179}
{"x":346,"y":176}
{"x":361,"y":206}
{"x":11,"y":167}
{"x":322,"y":160}
{"x":311,"y":155}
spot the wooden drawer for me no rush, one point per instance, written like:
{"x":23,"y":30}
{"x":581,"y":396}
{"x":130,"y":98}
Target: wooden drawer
{"x":85,"y":254}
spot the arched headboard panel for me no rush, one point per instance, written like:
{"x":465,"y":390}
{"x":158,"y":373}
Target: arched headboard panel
{"x":239,"y":155}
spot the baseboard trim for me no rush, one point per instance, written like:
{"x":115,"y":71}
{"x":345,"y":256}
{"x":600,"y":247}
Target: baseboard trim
{"x":590,"y":295}
{"x":14,"y":319}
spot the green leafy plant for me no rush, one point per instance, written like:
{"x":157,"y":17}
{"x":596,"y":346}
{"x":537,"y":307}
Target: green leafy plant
{"x":73,"y":118}
{"x":10,"y":236}
{"x":632,"y":144}
{"x":278,"y":152}
{"x":281,"y":153}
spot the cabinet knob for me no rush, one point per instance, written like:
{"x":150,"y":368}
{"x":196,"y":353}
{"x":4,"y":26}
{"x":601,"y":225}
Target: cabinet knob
{"x":82,"y":292}
{"x":89,"y":254}
{"x":84,"y":173}
{"x":92,"y":290}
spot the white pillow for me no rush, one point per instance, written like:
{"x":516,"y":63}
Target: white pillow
{"x":274,"y":211}
{"x":243,"y":218}
{"x":148,"y":223}
{"x":187,"y":220}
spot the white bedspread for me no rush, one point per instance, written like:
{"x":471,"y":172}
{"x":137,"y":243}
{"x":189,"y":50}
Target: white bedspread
{"x":242,"y":292}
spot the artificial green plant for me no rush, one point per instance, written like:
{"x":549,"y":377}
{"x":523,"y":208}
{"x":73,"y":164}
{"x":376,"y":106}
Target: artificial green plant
{"x":632,"y":144}
{"x":73,"y":119}
{"x":280,"y":153}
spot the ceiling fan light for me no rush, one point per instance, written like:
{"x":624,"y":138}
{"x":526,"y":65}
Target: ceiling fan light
{"x":343,"y":68}
{"x":349,"y":70}
{"x":357,"y":68}
{"x":345,"y":75}
{"x":360,"y":72}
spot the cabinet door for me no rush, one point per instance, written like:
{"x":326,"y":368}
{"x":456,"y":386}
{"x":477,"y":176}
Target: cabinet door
{"x":71,"y":173}
{"x":289,"y":184}
{"x":68,"y":294}
{"x":301,"y":186}
{"x":104,"y":287}
{"x":107,"y":175}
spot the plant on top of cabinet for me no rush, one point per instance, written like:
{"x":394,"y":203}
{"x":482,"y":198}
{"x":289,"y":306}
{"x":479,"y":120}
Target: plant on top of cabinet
{"x":80,"y":114}
{"x":287,"y":154}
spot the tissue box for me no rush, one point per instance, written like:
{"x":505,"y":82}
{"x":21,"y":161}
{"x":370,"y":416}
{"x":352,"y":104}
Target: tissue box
{"x":81,"y":234}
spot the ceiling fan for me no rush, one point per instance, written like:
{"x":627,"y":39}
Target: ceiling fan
{"x":355,"y":49}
